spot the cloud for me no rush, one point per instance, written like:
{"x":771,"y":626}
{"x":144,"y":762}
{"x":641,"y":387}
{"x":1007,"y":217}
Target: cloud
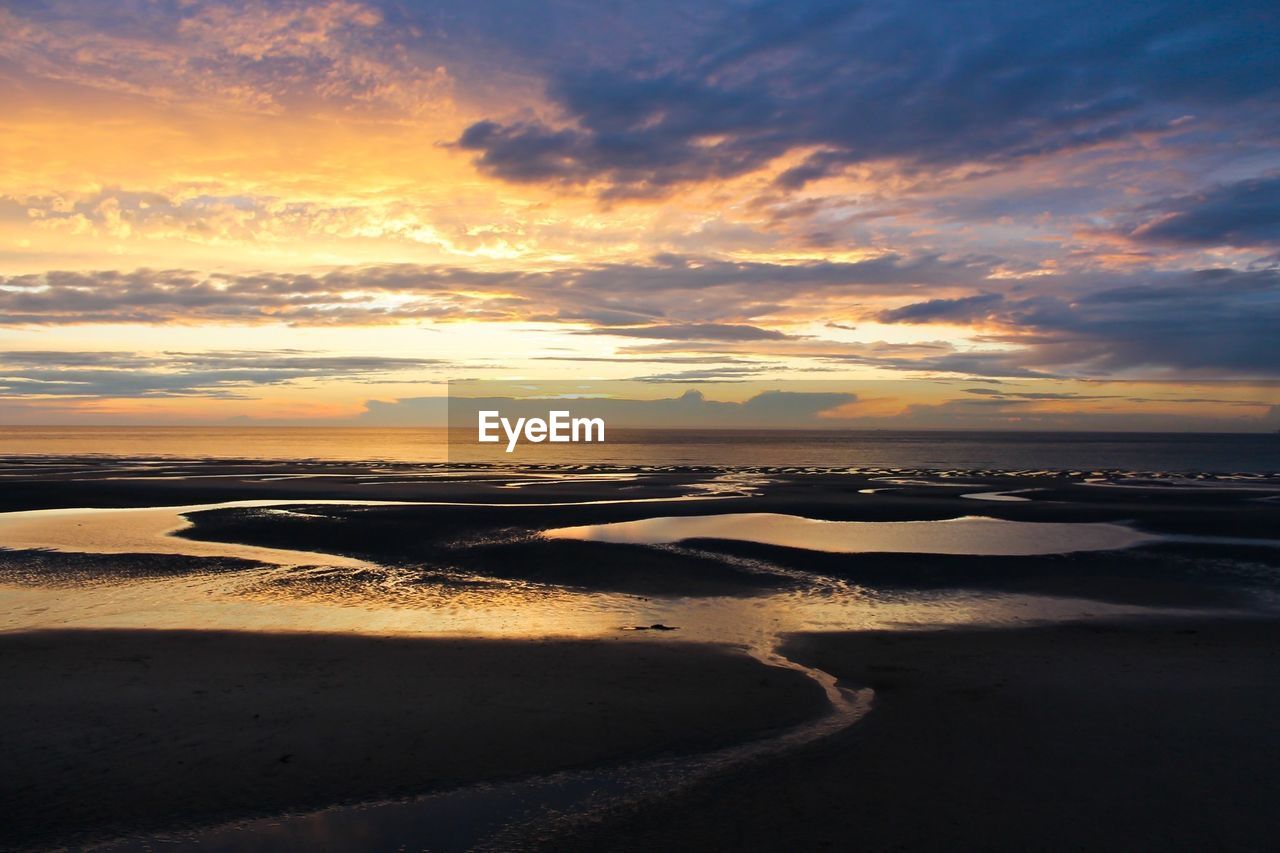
{"x":218,"y":374}
{"x":1197,"y":321}
{"x":1091,"y":323}
{"x":1244,"y":213}
{"x":695,"y":332}
{"x":922,"y":84}
{"x":922,"y":357}
{"x":963,"y":310}
{"x":258,"y":56}
{"x":119,"y":214}
{"x":692,"y":409}
{"x":993,"y":363}
{"x":615,"y":294}
{"x":729,"y":373}
{"x":659,"y":359}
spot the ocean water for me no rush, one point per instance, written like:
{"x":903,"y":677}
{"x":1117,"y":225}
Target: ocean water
{"x":1256,"y":453}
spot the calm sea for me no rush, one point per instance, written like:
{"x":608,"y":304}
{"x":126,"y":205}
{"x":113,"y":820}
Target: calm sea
{"x":1167,"y":452}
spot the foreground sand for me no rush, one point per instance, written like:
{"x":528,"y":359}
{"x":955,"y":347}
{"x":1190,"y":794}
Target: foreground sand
{"x":1143,"y":736}
{"x":107,"y":732}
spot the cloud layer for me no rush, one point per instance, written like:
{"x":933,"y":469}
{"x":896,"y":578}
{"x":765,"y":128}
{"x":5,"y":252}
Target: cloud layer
{"x":221,"y":375}
{"x":919,"y":83}
{"x":275,"y":200}
{"x":1203,"y":320}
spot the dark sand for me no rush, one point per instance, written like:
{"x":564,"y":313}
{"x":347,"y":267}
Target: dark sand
{"x":1141,"y":736}
{"x":107,"y":732}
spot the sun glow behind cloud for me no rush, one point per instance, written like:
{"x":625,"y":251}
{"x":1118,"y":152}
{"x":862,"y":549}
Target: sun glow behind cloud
{"x":764,"y":192}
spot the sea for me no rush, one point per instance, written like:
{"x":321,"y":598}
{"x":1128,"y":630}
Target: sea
{"x":1237,"y":453}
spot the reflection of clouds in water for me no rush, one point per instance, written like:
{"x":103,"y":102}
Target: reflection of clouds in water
{"x":315,"y":592}
{"x":299,"y":590}
{"x":151,"y":530}
{"x":145,"y":530}
{"x":1011,"y":496}
{"x":970,"y":535}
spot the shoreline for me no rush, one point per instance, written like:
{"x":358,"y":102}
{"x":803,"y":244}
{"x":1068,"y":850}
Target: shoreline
{"x":53,"y":482}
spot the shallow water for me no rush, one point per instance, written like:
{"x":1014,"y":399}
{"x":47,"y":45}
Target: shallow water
{"x":256,"y":600}
{"x":154,"y":530}
{"x":972,"y":535}
{"x":297,"y":589}
{"x":143,"y":530}
{"x":307,"y":590}
{"x":1011,"y":496}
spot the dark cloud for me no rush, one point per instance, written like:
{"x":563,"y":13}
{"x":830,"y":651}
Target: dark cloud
{"x":1208,"y":320}
{"x":1037,"y":395}
{"x":925,"y":357}
{"x":1004,"y":364}
{"x":262,"y":57}
{"x":217,"y":374}
{"x":963,"y":310}
{"x":692,"y":288}
{"x":1091,"y":323}
{"x":1245,"y":213}
{"x":925,"y":84}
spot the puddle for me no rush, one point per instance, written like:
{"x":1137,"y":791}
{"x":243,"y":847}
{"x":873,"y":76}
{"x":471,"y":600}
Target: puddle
{"x":148,"y":530}
{"x":153,"y":530}
{"x":972,"y":535}
{"x":1011,"y":496}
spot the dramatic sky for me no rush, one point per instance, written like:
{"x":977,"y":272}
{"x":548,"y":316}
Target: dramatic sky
{"x":284,"y":211}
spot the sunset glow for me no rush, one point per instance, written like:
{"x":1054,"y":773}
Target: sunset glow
{"x":279,"y":211}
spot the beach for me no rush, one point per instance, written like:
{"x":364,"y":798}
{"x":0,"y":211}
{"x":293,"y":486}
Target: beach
{"x":110,"y":733}
{"x":1130,"y":736}
{"x":769,"y":427}
{"x":248,"y":654}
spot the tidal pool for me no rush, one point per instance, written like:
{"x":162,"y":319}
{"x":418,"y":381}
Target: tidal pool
{"x":973,"y":535}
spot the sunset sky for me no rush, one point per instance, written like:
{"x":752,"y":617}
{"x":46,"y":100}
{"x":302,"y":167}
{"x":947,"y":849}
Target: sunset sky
{"x":280,"y":212}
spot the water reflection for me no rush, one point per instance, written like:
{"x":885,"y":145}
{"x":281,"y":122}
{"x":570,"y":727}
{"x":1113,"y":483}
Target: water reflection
{"x":973,"y":535}
{"x":144,"y":530}
{"x":153,"y":530}
{"x":1010,"y":496}
{"x":272,"y":599}
{"x":299,"y":590}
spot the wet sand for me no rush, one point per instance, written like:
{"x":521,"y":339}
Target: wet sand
{"x":111,"y":732}
{"x":503,"y":542}
{"x":1123,"y":736}
{"x":1144,"y":735}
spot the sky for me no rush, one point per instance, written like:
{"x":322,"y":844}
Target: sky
{"x":313,"y":213}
